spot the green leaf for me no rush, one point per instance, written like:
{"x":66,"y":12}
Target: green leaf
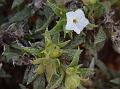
{"x":76,"y":58}
{"x":56,"y":82}
{"x":45,"y":24}
{"x":69,"y":54}
{"x":29,"y":75}
{"x":86,"y":72}
{"x":50,"y":71}
{"x":48,"y":39}
{"x":33,"y":51}
{"x":22,"y":15}
{"x":39,"y":83}
{"x":76,"y":41}
{"x":11,"y":55}
{"x":57,"y":10}
{"x":48,"y":11}
{"x":100,"y":39}
{"x":115,"y":81}
{"x":17,"y":3}
{"x":58,"y":27}
{"x":55,"y":38}
{"x":91,"y":48}
{"x":101,"y":36}
{"x":40,"y":22}
{"x":62,"y":44}
{"x":31,"y":79}
{"x":16,"y":46}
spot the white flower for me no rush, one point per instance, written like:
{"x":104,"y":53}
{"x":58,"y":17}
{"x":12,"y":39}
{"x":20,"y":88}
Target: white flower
{"x":76,"y":21}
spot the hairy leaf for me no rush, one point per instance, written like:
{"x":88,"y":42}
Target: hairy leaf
{"x":100,"y":39}
{"x":116,"y":81}
{"x":22,"y":15}
{"x":17,"y":3}
{"x":75,"y":58}
{"x":58,"y":27}
{"x":57,"y":10}
{"x":76,"y":41}
{"x":39,"y":83}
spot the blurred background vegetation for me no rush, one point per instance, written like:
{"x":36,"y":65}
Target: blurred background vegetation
{"x":24,"y":38}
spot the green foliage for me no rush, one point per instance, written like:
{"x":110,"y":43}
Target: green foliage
{"x":50,"y":63}
{"x":33,"y":51}
{"x":39,"y":83}
{"x":17,"y":3}
{"x":116,"y":81}
{"x":78,"y":39}
{"x":58,"y":27}
{"x":56,"y":8}
{"x":76,"y":58}
{"x":72,"y":81}
{"x":26,"y":13}
{"x":11,"y":53}
{"x":100,"y":39}
{"x":54,"y":56}
{"x":29,"y":75}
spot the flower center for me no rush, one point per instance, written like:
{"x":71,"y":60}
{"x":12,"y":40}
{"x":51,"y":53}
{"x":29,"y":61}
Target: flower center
{"x":74,"y":20}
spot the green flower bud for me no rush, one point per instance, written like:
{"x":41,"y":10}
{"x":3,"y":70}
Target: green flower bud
{"x":72,"y":81}
{"x":70,"y":70}
{"x":55,"y":51}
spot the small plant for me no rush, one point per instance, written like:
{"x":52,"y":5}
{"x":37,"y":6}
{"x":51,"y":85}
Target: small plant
{"x":58,"y":41}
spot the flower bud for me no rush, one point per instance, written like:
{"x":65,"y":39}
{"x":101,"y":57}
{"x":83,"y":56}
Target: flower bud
{"x":72,"y":81}
{"x":55,"y":52}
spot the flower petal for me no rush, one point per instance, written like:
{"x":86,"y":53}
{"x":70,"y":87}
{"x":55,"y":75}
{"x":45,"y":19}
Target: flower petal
{"x":79,"y":14}
{"x":83,"y":22}
{"x":80,"y":28}
{"x":70,"y":16}
{"x":70,"y":26}
{"x":77,"y":30}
